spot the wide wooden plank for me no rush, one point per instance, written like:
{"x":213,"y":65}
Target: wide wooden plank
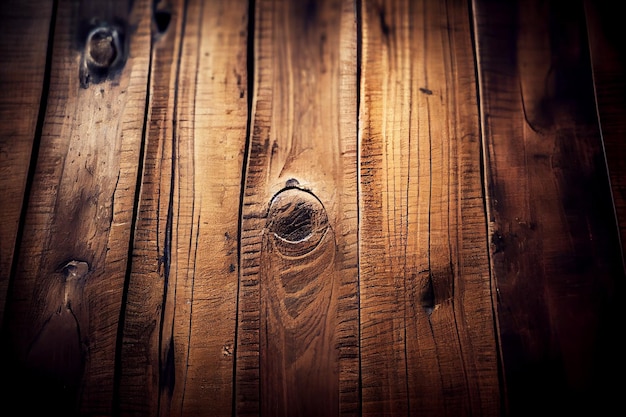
{"x":428,"y":345}
{"x":608,"y":59}
{"x":212,"y":122}
{"x":63,"y":310}
{"x":179,"y":330}
{"x":555,"y":250}
{"x":23,"y":46}
{"x":298,"y":320}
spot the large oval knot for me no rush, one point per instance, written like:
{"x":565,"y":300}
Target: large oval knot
{"x":298,"y":221}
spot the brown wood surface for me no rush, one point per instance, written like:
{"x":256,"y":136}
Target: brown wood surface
{"x":62,"y":315}
{"x":146,"y":337}
{"x":608,"y":59}
{"x":298,"y":320}
{"x":25,"y":32}
{"x":555,"y":251}
{"x":311,"y":208}
{"x":427,"y":315}
{"x":184,"y":272}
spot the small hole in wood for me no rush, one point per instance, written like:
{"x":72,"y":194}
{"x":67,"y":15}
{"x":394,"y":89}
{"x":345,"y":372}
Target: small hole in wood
{"x":162,"y":18}
{"x":102,"y":47}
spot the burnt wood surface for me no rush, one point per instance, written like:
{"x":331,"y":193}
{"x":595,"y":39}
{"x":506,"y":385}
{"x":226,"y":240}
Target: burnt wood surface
{"x":311,"y":208}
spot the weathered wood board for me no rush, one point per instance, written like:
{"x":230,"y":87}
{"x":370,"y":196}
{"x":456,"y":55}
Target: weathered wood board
{"x":297,"y":349}
{"x":181,"y":300}
{"x":25,"y":34}
{"x":608,"y":59}
{"x":61,"y":320}
{"x":427,"y":315}
{"x":311,"y":208}
{"x":555,"y":249}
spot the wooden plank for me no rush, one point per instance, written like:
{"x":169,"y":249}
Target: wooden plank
{"x":25,"y":28}
{"x":143,"y":363}
{"x":608,"y":59}
{"x":297,"y":346}
{"x":428,"y":345}
{"x":555,"y":249}
{"x":63,"y":311}
{"x":179,"y":330}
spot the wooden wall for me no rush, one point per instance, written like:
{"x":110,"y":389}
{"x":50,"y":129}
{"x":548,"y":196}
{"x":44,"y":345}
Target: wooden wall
{"x":311,"y":208}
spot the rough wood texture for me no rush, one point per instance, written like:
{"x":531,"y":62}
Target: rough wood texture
{"x":311,"y":208}
{"x":146,"y":369}
{"x":64,"y":306}
{"x":297,"y":339}
{"x":25,"y":28}
{"x":181,"y":307}
{"x":427,"y":321}
{"x":608,"y":59}
{"x":555,"y":253}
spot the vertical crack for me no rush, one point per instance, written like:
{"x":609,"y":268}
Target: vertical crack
{"x":484,"y":177}
{"x":250,"y":74}
{"x":359,"y":58}
{"x":117,"y":372}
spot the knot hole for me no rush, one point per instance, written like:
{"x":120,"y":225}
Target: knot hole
{"x":298,"y":220}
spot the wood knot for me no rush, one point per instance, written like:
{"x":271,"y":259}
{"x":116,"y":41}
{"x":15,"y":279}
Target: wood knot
{"x":103,"y":47}
{"x":298,"y":221}
{"x":103,"y":54}
{"x":161,"y":16}
{"x":74,"y":269}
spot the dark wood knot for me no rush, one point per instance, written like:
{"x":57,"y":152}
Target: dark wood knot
{"x":104,"y":53}
{"x":103,"y":47}
{"x":298,"y":221}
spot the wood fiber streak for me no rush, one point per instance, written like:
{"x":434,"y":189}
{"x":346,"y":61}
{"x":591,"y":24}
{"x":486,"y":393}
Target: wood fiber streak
{"x":66,"y":296}
{"x":23,"y":50}
{"x":297,"y":347}
{"x":213,"y":124}
{"x":145,"y":372}
{"x":608,"y":58}
{"x":554,"y":242}
{"x":318,"y":208}
{"x":428,"y":345}
{"x":179,"y":338}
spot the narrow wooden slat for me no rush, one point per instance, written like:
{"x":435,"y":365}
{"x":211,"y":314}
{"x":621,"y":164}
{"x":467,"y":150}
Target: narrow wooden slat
{"x":428,"y":345}
{"x":63,"y":311}
{"x":298,"y":319}
{"x":608,"y":59}
{"x":180,"y":324}
{"x":555,"y":249}
{"x":23,"y":47}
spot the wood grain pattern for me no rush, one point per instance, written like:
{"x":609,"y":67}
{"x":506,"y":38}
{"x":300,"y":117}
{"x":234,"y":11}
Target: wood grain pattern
{"x":145,"y":372}
{"x":67,"y":293}
{"x":215,"y":118}
{"x":555,"y":250}
{"x":180,"y":321}
{"x":311,"y":208}
{"x":297,"y":338}
{"x":428,"y":345}
{"x":608,"y":59}
{"x":25,"y":29}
